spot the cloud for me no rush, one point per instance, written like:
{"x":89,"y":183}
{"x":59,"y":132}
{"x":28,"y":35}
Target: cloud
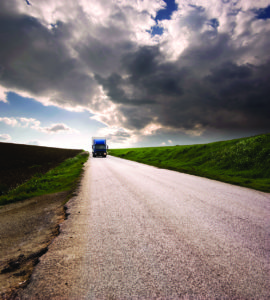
{"x":218,"y":79}
{"x":21,"y":122}
{"x":3,"y":94}
{"x":57,"y":128}
{"x":35,"y":124}
{"x":28,"y":122}
{"x":5,"y":137}
{"x":35,"y":59}
{"x":209,"y":70}
{"x":9,"y":121}
{"x":226,"y":96}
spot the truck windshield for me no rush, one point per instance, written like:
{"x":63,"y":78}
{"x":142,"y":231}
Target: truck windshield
{"x":100,"y":147}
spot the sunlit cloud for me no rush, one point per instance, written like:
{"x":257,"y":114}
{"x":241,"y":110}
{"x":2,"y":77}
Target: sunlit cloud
{"x":9,"y":121}
{"x":3,"y":94}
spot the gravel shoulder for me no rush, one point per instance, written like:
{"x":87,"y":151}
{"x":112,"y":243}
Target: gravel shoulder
{"x":26,"y":230}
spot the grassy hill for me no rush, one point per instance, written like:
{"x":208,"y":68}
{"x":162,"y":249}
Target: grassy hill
{"x":244,"y":161}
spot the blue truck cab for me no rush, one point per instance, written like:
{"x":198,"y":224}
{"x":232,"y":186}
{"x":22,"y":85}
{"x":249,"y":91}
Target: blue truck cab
{"x":99,"y":147}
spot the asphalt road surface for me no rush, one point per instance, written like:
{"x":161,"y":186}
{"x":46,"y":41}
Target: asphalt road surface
{"x":139,"y":232}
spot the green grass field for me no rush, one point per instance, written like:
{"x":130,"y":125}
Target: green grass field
{"x":244,"y":162}
{"x":62,"y":178}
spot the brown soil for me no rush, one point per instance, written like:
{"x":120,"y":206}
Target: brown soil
{"x":26,"y":230}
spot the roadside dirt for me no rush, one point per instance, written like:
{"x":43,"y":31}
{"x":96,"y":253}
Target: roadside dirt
{"x":26,"y":230}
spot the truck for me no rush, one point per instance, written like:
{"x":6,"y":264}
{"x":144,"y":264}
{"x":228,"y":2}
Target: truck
{"x":99,"y":147}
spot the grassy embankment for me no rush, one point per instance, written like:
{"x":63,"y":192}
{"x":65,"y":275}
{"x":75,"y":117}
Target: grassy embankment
{"x":29,"y":171}
{"x":244,"y":162}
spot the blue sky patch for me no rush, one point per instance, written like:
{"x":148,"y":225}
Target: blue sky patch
{"x":163,"y":14}
{"x":156,"y":30}
{"x":167,"y":12}
{"x":18,"y":106}
{"x":214,"y":23}
{"x":263,"y":13}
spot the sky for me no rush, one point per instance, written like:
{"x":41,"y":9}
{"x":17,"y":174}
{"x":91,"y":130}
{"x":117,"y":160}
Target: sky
{"x":139,"y":72}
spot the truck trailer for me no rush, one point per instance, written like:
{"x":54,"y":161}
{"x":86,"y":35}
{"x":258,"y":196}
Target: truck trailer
{"x":99,"y":147}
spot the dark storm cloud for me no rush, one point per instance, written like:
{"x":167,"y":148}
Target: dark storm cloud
{"x":149,"y":75}
{"x":102,"y":54}
{"x":34,"y":58}
{"x":7,"y":7}
{"x":118,"y":136}
{"x":244,"y":90}
{"x":228,"y":96}
{"x":147,"y":78}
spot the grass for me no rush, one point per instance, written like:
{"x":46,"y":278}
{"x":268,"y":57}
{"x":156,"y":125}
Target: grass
{"x":62,"y":178}
{"x":244,"y":162}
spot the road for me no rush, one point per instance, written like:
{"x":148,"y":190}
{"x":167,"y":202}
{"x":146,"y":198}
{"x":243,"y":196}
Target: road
{"x":139,"y":232}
